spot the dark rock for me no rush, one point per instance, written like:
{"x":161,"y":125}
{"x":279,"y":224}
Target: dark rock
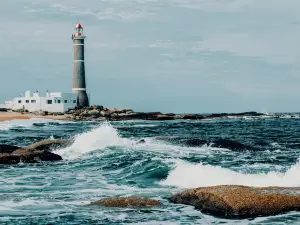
{"x":40,"y":151}
{"x":232,"y":145}
{"x":233,"y":201}
{"x":8,"y":148}
{"x":132,"y":116}
{"x":33,"y":156}
{"x":192,"y":117}
{"x":142,"y":141}
{"x":217,"y":115}
{"x":248,"y":114}
{"x":128,"y":202}
{"x":221,"y":115}
{"x":9,"y":159}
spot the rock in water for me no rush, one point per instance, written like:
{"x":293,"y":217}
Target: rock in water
{"x":9,"y":159}
{"x":8,"y":148}
{"x":128,"y":202}
{"x":36,"y":152}
{"x":34,"y":156}
{"x":235,"y":201}
{"x":142,"y":141}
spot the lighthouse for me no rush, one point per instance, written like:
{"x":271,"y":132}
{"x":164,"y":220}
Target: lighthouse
{"x":79,"y":84}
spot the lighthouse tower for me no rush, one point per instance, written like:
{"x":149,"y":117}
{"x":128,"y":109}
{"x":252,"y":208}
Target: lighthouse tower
{"x":79,"y":85}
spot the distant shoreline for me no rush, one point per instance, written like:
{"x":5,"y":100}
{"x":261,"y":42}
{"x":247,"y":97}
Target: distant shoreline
{"x":99,"y":113}
{"x":8,"y":116}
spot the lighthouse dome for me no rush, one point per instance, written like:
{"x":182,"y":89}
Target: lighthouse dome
{"x":78,"y":25}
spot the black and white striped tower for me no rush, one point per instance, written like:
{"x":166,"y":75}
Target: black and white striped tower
{"x":79,"y":85}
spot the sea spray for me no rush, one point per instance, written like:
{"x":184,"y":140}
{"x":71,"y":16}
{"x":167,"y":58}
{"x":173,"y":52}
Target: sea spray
{"x":98,"y":138}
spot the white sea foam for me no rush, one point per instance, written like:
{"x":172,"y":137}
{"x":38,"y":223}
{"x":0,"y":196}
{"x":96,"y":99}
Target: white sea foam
{"x":187,"y":175}
{"x":99,"y":138}
{"x":6,"y":125}
{"x":106,"y":136}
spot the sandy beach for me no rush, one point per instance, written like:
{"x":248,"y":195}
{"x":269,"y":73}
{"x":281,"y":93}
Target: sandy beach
{"x":5,"y":116}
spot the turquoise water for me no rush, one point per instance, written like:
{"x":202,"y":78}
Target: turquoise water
{"x":106,"y":160}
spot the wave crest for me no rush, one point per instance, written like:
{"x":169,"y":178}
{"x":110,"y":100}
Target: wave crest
{"x":187,"y":175}
{"x":98,"y":138}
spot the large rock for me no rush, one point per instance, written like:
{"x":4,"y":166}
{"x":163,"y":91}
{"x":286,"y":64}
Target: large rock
{"x":192,"y":117}
{"x":235,"y":201}
{"x":128,"y":202}
{"x":9,"y":159}
{"x":8,"y":148}
{"x":48,"y":144}
{"x":40,"y":151}
{"x":34,"y":156}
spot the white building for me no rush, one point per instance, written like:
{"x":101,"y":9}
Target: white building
{"x":52,"y":102}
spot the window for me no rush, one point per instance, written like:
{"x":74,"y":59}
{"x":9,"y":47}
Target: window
{"x":74,"y":101}
{"x":66,"y":101}
{"x":58,"y":101}
{"x":27,"y":101}
{"x":49,"y":102}
{"x":33,"y":101}
{"x":54,"y":101}
{"x":20,"y":101}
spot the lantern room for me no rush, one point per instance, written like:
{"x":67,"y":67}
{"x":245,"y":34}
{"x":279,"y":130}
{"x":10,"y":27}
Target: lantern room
{"x":79,"y":30}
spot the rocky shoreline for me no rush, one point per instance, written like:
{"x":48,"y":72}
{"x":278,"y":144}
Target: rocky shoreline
{"x":100,"y":113}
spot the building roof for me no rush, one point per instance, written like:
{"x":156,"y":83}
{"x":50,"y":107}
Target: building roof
{"x":78,"y":25}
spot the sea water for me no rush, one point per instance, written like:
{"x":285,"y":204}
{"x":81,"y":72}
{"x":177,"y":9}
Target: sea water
{"x":109,"y":160}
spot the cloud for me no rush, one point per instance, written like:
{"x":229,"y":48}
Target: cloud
{"x":223,"y":55}
{"x":278,"y":49}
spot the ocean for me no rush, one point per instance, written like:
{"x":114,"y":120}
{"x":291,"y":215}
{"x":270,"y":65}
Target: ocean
{"x":108,"y":159}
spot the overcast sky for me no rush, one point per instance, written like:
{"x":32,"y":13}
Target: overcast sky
{"x":158,"y":55}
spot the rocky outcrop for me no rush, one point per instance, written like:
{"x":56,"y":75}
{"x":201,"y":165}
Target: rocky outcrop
{"x":128,"y":202}
{"x":235,"y":201}
{"x":225,"y":115}
{"x":9,"y":159}
{"x":34,"y":156}
{"x":8,"y":148}
{"x":37,"y":152}
{"x":99,"y":113}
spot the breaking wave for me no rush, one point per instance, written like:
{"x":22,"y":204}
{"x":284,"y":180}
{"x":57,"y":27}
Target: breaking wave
{"x":98,"y":138}
{"x":107,"y":136}
{"x":187,"y":175}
